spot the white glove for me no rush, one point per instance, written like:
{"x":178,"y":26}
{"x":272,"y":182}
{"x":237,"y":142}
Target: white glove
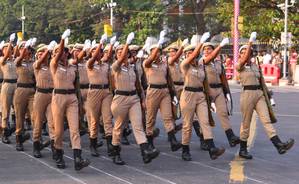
{"x":228,"y":97}
{"x":94,"y":42}
{"x":3,"y":42}
{"x":87,"y":45}
{"x":88,"y":40}
{"x":272,"y":102}
{"x":162,"y":34}
{"x":19,"y":41}
{"x":213,"y":107}
{"x":175,"y":101}
{"x":224,"y":42}
{"x":28,"y":43}
{"x":161,"y":41}
{"x":33,"y":41}
{"x":185,"y":42}
{"x":252,"y":37}
{"x":204,"y":37}
{"x":140,"y":54}
{"x":12,"y":37}
{"x":52,"y":45}
{"x":113,"y":40}
{"x":130,"y":38}
{"x":103,"y":39}
{"x":66,"y":34}
{"x":116,"y":44}
{"x":145,"y":46}
{"x":66,"y":41}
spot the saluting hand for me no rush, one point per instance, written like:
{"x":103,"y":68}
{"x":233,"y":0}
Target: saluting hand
{"x":28,"y":43}
{"x":252,"y":37}
{"x":130,"y":38}
{"x":87,"y":45}
{"x":113,"y":40}
{"x":52,"y":45}
{"x":12,"y":37}
{"x":94,"y":42}
{"x":66,"y":34}
{"x":19,"y":41}
{"x":116,"y":44}
{"x":33,"y":41}
{"x":103,"y":39}
{"x":185,"y":42}
{"x":204,"y":37}
{"x":224,"y":42}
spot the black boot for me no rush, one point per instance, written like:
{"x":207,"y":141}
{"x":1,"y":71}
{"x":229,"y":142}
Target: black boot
{"x":82,"y":132}
{"x":213,"y":151}
{"x":128,"y":130}
{"x":28,"y":124}
{"x":232,"y":138}
{"x":116,"y":158}
{"x":147,"y":154}
{"x":53,"y":150}
{"x":178,"y":127}
{"x":156,"y":133}
{"x":11,"y":130}
{"x":79,"y":161}
{"x":13,"y":120}
{"x":19,"y":141}
{"x":44,"y":144}
{"x":203,"y":144}
{"x":196,"y":127}
{"x":109,"y":146}
{"x":281,"y":147}
{"x":186,"y":153}
{"x":243,"y":153}
{"x":93,"y":147}
{"x":150,"y":142}
{"x":5,"y":138}
{"x":124,"y":139}
{"x":99,"y":144}
{"x":44,"y":129}
{"x":59,"y":159}
{"x":36,"y":150}
{"x":175,"y":145}
{"x":25,"y":137}
{"x":101,"y":128}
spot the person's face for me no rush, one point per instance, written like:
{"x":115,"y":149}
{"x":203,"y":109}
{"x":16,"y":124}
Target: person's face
{"x":77,"y":52}
{"x":293,"y":50}
{"x":259,"y":54}
{"x":189,"y":53}
{"x":242,"y":54}
{"x":264,"y":53}
{"x":274,"y":54}
{"x":254,"y":53}
{"x":21,"y":49}
{"x":39,"y":55}
{"x":207,"y":50}
{"x":106,"y":53}
{"x":172,"y":52}
{"x":119,"y":53}
{"x":134,"y":53}
{"x":158,"y":54}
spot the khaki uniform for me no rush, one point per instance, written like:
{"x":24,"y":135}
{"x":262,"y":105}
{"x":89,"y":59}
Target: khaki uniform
{"x":8,"y":88}
{"x":194,"y":102}
{"x":24,"y":96}
{"x":43,"y":100}
{"x":99,"y":100}
{"x":253,"y":100}
{"x":157,"y":98}
{"x":1,"y":81}
{"x":214,"y":71}
{"x":126,"y":106}
{"x":65,"y":104}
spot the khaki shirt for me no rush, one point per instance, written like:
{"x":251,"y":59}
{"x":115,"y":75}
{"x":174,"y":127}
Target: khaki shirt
{"x":83,"y":73}
{"x":213,"y":70}
{"x":8,"y":68}
{"x":156,"y":73}
{"x":193,"y":75}
{"x":125,"y":77}
{"x":138,"y":68}
{"x":63,"y":76}
{"x":25,"y":71}
{"x":43,"y":76}
{"x":248,"y":74}
{"x":176,"y":72}
{"x":98,"y":73}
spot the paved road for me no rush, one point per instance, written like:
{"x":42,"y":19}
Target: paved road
{"x":267,"y":166}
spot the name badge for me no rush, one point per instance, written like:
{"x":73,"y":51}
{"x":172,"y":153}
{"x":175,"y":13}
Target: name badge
{"x":63,"y":69}
{"x":24,"y":64}
{"x":8,"y":63}
{"x":194,"y":70}
{"x":44,"y":69}
{"x":132,"y":65}
{"x":176,"y":64}
{"x":247,"y":66}
{"x":154,"y":66}
{"x":123,"y":69}
{"x":79,"y":64}
{"x":96,"y":67}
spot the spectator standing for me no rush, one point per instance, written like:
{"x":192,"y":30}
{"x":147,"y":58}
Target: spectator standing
{"x":293,"y":62}
{"x":228,"y":64}
{"x":259,"y":55}
{"x":266,"y":57}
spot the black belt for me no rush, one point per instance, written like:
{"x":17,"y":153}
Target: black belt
{"x":10,"y":80}
{"x":23,"y":85}
{"x":158,"y":86}
{"x":1,"y":80}
{"x":126,"y":93}
{"x":99,"y":86}
{"x":84,"y":86}
{"x":179,"y":83}
{"x":45,"y":90}
{"x":215,"y":85}
{"x":252,"y":87}
{"x":200,"y":89}
{"x":64,"y":91}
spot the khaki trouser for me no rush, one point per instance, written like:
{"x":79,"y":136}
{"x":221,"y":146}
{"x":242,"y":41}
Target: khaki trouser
{"x":250,"y":100}
{"x":123,"y":107}
{"x":221,"y":107}
{"x":293,"y":70}
{"x":87,"y":116}
{"x":42,"y":104}
{"x":7,"y":93}
{"x":23,"y":98}
{"x":194,"y":102}
{"x":66,"y":105}
{"x":99,"y":101}
{"x":155,"y":99}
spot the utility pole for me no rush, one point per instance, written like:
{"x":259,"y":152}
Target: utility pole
{"x":111,"y":14}
{"x":236,"y":36}
{"x":23,"y":19}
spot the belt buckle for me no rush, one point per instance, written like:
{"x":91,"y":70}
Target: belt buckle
{"x":102,"y":86}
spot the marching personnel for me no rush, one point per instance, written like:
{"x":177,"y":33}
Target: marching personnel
{"x":24,"y":94}
{"x":158,"y":95}
{"x":252,"y":98}
{"x":43,"y":100}
{"x":99,"y":97}
{"x":126,"y":103}
{"x":214,"y":70}
{"x":8,"y":87}
{"x":65,"y":102}
{"x":193,"y":100}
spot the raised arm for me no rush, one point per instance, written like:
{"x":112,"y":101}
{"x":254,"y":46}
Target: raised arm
{"x":87,"y":46}
{"x":109,"y":56}
{"x":98,"y":50}
{"x":7,"y":54}
{"x":150,"y":60}
{"x":248,"y":50}
{"x":179,"y":52}
{"x":124,"y":53}
{"x":21,"y":57}
{"x":66,"y":34}
{"x":214,"y":54}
